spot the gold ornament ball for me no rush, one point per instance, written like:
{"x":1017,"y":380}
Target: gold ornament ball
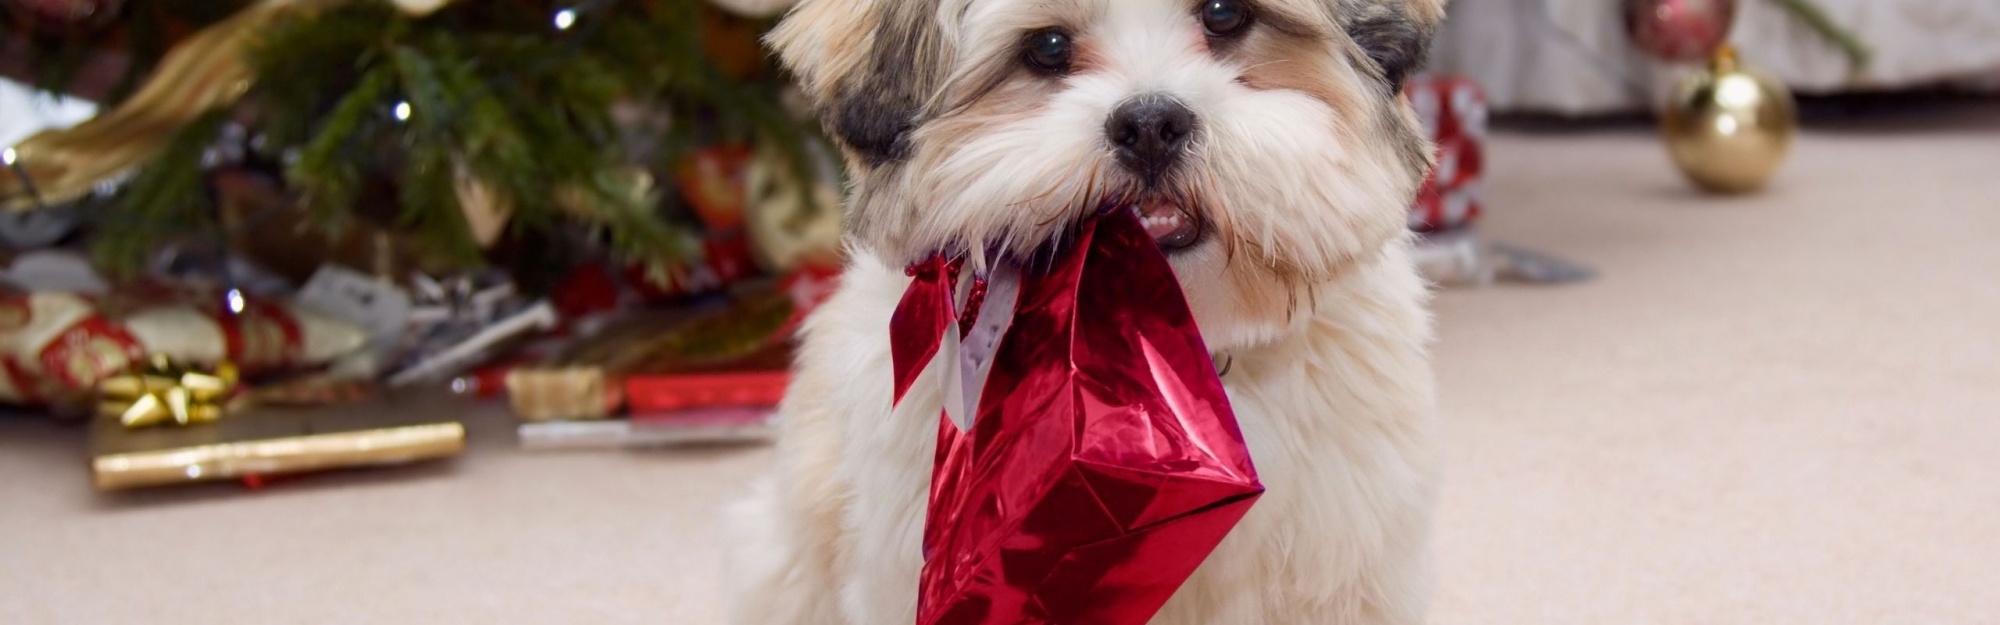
{"x":1728,"y":127}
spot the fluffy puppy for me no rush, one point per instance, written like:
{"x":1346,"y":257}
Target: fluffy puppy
{"x":1264,"y":145}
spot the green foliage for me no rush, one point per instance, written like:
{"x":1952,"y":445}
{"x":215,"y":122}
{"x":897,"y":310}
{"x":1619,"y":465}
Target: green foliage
{"x":174,"y":190}
{"x":491,"y":91}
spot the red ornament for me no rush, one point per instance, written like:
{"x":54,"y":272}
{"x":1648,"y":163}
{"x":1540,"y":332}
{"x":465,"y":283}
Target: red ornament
{"x":1679,"y":31}
{"x":712,"y":180}
{"x":1097,"y":464}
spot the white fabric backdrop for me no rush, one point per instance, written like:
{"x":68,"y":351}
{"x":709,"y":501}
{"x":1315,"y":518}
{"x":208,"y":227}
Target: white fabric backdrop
{"x":1572,"y":56}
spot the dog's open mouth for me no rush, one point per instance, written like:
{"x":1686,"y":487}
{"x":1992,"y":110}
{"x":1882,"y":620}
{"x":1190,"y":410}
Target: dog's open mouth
{"x":1172,"y":224}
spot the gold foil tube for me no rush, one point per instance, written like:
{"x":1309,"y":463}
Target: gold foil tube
{"x":277,"y":456}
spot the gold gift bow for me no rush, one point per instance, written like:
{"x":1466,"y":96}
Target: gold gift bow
{"x":164,"y":391}
{"x":205,"y":72}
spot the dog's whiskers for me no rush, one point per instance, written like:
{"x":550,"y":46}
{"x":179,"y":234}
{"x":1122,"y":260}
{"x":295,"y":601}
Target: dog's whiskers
{"x":1255,"y":66}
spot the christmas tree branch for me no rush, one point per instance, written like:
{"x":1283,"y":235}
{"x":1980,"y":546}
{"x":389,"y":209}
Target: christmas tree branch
{"x":169,"y":196}
{"x":366,"y":105}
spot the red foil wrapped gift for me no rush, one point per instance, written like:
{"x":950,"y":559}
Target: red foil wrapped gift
{"x":1088,"y":460}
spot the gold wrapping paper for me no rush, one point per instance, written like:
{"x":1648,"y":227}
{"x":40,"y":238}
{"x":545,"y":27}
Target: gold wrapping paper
{"x":265,"y":441}
{"x":200,"y":74}
{"x":568,"y":393}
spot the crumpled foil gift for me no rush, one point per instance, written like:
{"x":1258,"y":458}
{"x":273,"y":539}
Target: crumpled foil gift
{"x":1088,"y":460}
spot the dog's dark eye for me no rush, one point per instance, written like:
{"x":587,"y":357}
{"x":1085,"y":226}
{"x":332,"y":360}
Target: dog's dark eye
{"x":1049,"y":51}
{"x":1223,"y":18}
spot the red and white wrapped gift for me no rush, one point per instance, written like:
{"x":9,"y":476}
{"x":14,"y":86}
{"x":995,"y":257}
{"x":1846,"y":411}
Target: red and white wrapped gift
{"x":1450,"y":250}
{"x":56,"y":346}
{"x":1454,"y":113}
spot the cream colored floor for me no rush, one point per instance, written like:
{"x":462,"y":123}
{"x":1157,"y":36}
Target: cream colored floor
{"x":1777,"y":409}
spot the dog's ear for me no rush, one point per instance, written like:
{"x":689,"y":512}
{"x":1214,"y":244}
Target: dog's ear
{"x":870,"y":67}
{"x":1395,"y":34}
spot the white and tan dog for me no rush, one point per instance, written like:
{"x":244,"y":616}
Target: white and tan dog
{"x":1265,"y":146}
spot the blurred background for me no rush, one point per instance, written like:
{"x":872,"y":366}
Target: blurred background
{"x":423,"y":311}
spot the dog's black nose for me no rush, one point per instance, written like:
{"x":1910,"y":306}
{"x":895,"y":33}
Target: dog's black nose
{"x":1149,"y":133}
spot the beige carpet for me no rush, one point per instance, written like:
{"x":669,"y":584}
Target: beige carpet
{"x":1778,"y":409}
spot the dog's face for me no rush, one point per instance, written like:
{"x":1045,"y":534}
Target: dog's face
{"x":1262,"y":141}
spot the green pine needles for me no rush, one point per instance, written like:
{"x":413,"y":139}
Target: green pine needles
{"x":498,"y":91}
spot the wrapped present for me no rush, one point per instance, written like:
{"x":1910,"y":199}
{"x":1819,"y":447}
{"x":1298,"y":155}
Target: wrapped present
{"x":1449,"y":204}
{"x":734,"y":355}
{"x":648,"y":393}
{"x":1454,"y":112}
{"x":669,"y":361}
{"x":263,"y":441}
{"x":1087,"y":459}
{"x":573,"y":393}
{"x":57,"y":346}
{"x":373,"y":302}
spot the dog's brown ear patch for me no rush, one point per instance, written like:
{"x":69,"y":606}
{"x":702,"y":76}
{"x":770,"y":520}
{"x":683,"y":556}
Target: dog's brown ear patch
{"x":1395,"y":34}
{"x":870,"y":66}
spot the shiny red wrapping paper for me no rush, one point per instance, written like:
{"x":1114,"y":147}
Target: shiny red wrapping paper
{"x":1102,"y":463}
